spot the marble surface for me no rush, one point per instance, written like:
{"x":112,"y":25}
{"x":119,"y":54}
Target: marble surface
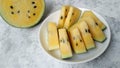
{"x":19,"y":48}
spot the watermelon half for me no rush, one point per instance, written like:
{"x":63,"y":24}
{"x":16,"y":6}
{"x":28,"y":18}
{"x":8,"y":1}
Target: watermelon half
{"x":22,"y":13}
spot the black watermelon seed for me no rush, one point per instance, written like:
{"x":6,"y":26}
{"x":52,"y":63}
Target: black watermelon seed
{"x":35,"y":6}
{"x":66,"y":16}
{"x":63,"y":41}
{"x":33,"y":2}
{"x":18,"y":11}
{"x":61,"y":17}
{"x":66,"y":10}
{"x":34,"y":14}
{"x":86,"y":30}
{"x":76,"y":44}
{"x":28,"y":11}
{"x":72,"y":13}
{"x":29,"y":17}
{"x":12,"y":12}
{"x":60,"y":40}
{"x":80,"y":40}
{"x":96,"y":23}
{"x":11,"y":7}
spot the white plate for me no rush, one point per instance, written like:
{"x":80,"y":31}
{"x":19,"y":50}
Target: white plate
{"x":80,"y":58}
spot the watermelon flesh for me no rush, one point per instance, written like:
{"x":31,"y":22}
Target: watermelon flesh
{"x":65,"y":48}
{"x":63,"y":16}
{"x":77,"y":41}
{"x":86,"y":35}
{"x":97,"y":20}
{"x":95,"y":30}
{"x":52,"y":36}
{"x":22,"y":13}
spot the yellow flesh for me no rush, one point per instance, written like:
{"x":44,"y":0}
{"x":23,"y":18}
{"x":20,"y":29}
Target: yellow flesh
{"x":95,"y":29}
{"x":65,"y":48}
{"x":73,"y":16}
{"x":86,"y":36}
{"x":52,"y":36}
{"x":64,"y":13}
{"x":91,"y":14}
{"x":77,"y":41}
{"x":21,"y":19}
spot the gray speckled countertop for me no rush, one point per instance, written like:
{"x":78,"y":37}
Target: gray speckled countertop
{"x":19,"y":48}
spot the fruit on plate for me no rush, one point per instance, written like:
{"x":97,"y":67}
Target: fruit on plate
{"x":95,"y":30}
{"x":72,"y":17}
{"x":85,"y":31}
{"x":97,"y":20}
{"x":75,"y":33}
{"x":77,"y":41}
{"x":22,"y":13}
{"x":63,"y":15}
{"x":65,"y":47}
{"x":53,"y":41}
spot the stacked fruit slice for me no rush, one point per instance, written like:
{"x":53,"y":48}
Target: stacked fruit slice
{"x":69,"y":15}
{"x":74,"y":33}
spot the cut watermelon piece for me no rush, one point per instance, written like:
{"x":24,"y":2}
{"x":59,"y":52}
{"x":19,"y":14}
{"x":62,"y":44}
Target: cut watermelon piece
{"x":63,"y":16}
{"x":73,"y":16}
{"x":22,"y":13}
{"x":95,"y":30}
{"x":97,"y":20}
{"x":52,"y":36}
{"x":77,"y":41}
{"x":65,"y":47}
{"x":86,"y":35}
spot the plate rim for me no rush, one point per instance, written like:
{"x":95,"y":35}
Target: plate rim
{"x":72,"y":62}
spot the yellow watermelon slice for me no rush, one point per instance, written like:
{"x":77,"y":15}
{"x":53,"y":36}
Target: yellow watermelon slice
{"x":65,"y":47}
{"x":85,"y":31}
{"x":97,"y":20}
{"x":95,"y":30}
{"x":77,"y":41}
{"x":52,"y":36}
{"x":72,"y":17}
{"x":63,"y":15}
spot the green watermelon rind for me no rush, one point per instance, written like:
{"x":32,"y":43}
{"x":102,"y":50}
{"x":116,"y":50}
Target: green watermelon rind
{"x":66,"y":57}
{"x":101,"y":41}
{"x":104,"y":28}
{"x":81,"y":52}
{"x":30,"y":26}
{"x":91,"y":48}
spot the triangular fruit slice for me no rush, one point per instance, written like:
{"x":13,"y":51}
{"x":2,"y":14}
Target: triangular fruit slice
{"x":77,"y":41}
{"x":95,"y":30}
{"x":97,"y":20}
{"x":73,"y":15}
{"x":52,"y":36}
{"x":63,"y":15}
{"x":65,"y":47}
{"x":86,"y":35}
